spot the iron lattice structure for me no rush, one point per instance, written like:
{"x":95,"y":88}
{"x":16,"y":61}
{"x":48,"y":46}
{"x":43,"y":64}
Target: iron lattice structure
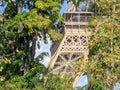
{"x":73,"y":46}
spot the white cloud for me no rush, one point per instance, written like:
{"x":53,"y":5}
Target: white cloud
{"x":44,"y":48}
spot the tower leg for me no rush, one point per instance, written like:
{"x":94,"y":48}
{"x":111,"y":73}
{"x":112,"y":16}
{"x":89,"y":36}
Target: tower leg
{"x":76,"y":81}
{"x":77,"y":78}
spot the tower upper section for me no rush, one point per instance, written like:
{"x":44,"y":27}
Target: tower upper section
{"x":76,"y":20}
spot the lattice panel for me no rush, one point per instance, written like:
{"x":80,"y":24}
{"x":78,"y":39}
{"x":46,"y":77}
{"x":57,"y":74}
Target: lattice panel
{"x":76,"y":40}
{"x":68,"y":41}
{"x":84,"y":40}
{"x":75,"y":43}
{"x":74,"y":49}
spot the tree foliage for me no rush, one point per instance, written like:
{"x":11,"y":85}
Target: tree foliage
{"x":104,"y":59}
{"x":19,"y":31}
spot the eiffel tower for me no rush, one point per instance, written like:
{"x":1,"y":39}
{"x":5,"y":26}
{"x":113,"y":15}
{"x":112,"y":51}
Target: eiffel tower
{"x":73,"y":46}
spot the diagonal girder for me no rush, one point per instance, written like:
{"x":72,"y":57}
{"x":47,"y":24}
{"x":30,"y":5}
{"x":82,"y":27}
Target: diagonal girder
{"x":65,"y":63}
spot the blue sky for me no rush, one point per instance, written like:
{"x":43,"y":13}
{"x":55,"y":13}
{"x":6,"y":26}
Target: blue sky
{"x":2,"y":8}
{"x":63,"y":7}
